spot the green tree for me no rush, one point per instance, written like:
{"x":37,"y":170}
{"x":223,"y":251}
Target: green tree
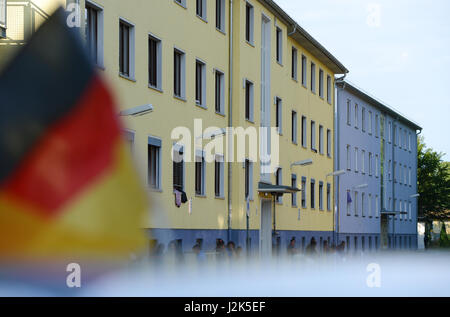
{"x":433,"y":177}
{"x":443,"y":238}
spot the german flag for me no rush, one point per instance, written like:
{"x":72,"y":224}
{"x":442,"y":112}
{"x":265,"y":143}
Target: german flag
{"x":68,"y":189}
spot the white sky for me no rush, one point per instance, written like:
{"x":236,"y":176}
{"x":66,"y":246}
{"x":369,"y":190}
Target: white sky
{"x":401,"y":55}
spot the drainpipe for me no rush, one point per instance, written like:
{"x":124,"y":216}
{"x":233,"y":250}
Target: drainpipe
{"x":394,"y":135}
{"x":417,"y":199}
{"x":230,"y":118}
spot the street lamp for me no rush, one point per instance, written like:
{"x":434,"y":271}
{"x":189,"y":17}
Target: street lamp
{"x":137,"y":111}
{"x":302,"y":163}
{"x":414,"y":196}
{"x":360,"y":186}
{"x":336,"y":173}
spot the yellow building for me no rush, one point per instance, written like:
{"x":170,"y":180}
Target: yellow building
{"x":227,"y":63}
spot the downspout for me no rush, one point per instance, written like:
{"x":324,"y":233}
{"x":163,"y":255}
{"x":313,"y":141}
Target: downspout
{"x":337,"y":208}
{"x":230,"y":119}
{"x":417,"y":199}
{"x":394,"y":135}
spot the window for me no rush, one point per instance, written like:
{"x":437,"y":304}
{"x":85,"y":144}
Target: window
{"x":179,"y":74}
{"x":248,"y":180}
{"x":369,"y":205}
{"x":219,"y":176}
{"x":363,"y":198}
{"x":329,"y":89}
{"x":200,"y":174}
{"x":320,"y":139}
{"x":409,"y":177}
{"x":154,"y":62}
{"x":294,"y":63}
{"x":395,"y":135}
{"x":220,"y":15}
{"x":279,"y":181}
{"x":363,"y":156}
{"x":2,"y":18}
{"x":200,"y":83}
{"x":278,"y":114}
{"x":329,"y":197}
{"x":303,"y":192}
{"x":248,"y":100}
{"x":390,"y":131}
{"x":328,"y":142}
{"x":154,"y":163}
{"x":126,"y":49}
{"x":279,"y":48}
{"x":355,"y":203}
{"x":395,"y":172}
{"x":409,"y":211}
{"x":313,"y":194}
{"x":370,"y":164}
{"x":219,"y":92}
{"x":249,"y":23}
{"x":377,"y":203}
{"x":390,"y":170}
{"x":321,"y":83}
{"x":304,"y":131}
{"x":313,"y":136}
{"x":376,"y":165}
{"x":294,"y":195}
{"x":321,"y":195}
{"x":409,"y":141}
{"x":313,"y":77}
{"x":363,"y":119}
{"x":178,"y":167}
{"x":349,"y":202}
{"x":181,"y":2}
{"x":400,"y":137}
{"x":94,"y":32}
{"x":377,"y":126}
{"x":356,"y":116}
{"x":349,"y":113}
{"x":304,"y":70}
{"x":349,"y":165}
{"x":400,"y":208}
{"x":294,"y":127}
{"x":201,"y":9}
{"x":356,"y":159}
{"x":370,"y":123}
{"x":405,"y":181}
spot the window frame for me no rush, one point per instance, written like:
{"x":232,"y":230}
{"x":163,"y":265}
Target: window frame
{"x":249,"y":100}
{"x":158,"y":62}
{"x":294,"y":63}
{"x":99,"y":56}
{"x":220,"y":15}
{"x":130,"y":72}
{"x":313,"y":77}
{"x":220,"y":109}
{"x":157,"y":144}
{"x":279,"y":45}
{"x":181,"y":74}
{"x":249,"y":23}
{"x":200,"y":83}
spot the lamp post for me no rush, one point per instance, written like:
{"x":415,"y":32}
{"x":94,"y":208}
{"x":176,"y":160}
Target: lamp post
{"x":137,"y":111}
{"x":302,"y":163}
{"x":336,"y":221}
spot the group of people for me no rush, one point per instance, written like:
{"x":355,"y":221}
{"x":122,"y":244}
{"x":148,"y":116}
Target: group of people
{"x":311,"y":248}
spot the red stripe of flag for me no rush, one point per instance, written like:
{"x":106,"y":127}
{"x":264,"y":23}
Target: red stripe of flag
{"x":75,"y":151}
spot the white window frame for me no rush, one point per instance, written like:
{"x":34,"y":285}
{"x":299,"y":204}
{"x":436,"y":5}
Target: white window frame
{"x":202,"y":102}
{"x":158,"y":62}
{"x":182,"y":74}
{"x":304,"y":71}
{"x":153,"y":141}
{"x":329,"y":142}
{"x":219,"y":159}
{"x":356,"y":160}
{"x":313,"y":77}
{"x":363,"y":119}
{"x":279,"y":180}
{"x":349,"y":112}
{"x":376,"y":165}
{"x":328,"y":197}
{"x":222,"y":91}
{"x":320,"y":139}
{"x":363,"y":197}
{"x":100,"y":32}
{"x":294,"y":202}
{"x":203,"y":14}
{"x":181,"y":3}
{"x":329,"y":95}
{"x":199,"y":154}
{"x":131,"y":49}
{"x":355,"y":202}
{"x":294,"y":127}
{"x":251,"y":22}
{"x":251,"y":87}
{"x":321,"y":82}
{"x":370,"y":128}
{"x":279,"y":45}
{"x":294,"y":62}
{"x":304,"y":135}
{"x":349,"y":155}
{"x":221,"y":27}
{"x":304,"y":183}
{"x":320,"y":195}
{"x":279,"y":111}
{"x":356,"y":116}
{"x":369,"y":205}
{"x":177,"y":147}
{"x":313,"y":136}
{"x":363,"y":165}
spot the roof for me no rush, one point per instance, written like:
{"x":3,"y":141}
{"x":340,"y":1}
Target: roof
{"x":352,"y":88}
{"x":306,"y":40}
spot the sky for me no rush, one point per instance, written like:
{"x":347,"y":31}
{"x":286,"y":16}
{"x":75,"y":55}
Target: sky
{"x":396,"y":50}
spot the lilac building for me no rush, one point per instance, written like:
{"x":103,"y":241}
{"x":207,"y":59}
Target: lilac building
{"x":376,"y":201}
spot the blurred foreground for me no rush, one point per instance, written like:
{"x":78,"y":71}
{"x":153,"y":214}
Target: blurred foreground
{"x":378,"y":274}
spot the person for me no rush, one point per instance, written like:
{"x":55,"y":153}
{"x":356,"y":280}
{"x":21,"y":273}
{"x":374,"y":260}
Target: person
{"x":220,"y":248}
{"x":326,"y":249}
{"x":291,"y":247}
{"x":311,"y":248}
{"x":197,"y":249}
{"x":231,"y":249}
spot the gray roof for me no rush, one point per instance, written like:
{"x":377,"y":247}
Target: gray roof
{"x":352,"y":88}
{"x":305,"y":39}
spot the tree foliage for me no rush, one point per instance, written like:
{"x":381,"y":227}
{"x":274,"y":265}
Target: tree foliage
{"x":433,"y":177}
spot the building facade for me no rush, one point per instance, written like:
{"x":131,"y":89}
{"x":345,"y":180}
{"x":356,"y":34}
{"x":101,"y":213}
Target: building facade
{"x":377,"y":190}
{"x":228,"y":63}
